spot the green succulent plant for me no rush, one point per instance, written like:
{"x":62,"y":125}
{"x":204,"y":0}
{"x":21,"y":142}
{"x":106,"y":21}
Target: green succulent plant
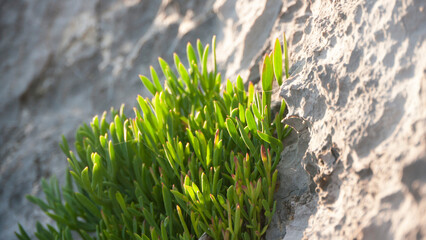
{"x":194,"y":159}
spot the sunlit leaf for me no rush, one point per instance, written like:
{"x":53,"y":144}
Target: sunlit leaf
{"x":278,"y":62}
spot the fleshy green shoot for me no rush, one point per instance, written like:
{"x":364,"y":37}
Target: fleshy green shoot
{"x":194,"y":160}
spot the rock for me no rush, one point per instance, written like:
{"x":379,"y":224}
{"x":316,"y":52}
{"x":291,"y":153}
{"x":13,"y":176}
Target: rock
{"x":354,"y":166}
{"x":361,"y":89}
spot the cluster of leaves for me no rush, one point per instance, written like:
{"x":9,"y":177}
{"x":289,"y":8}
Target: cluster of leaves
{"x":193,"y":160}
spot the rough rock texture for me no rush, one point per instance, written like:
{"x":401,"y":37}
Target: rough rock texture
{"x":362,"y":93}
{"x":354,"y":166}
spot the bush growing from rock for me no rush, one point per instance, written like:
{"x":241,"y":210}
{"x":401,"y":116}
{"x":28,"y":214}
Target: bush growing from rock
{"x":193,"y":160}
